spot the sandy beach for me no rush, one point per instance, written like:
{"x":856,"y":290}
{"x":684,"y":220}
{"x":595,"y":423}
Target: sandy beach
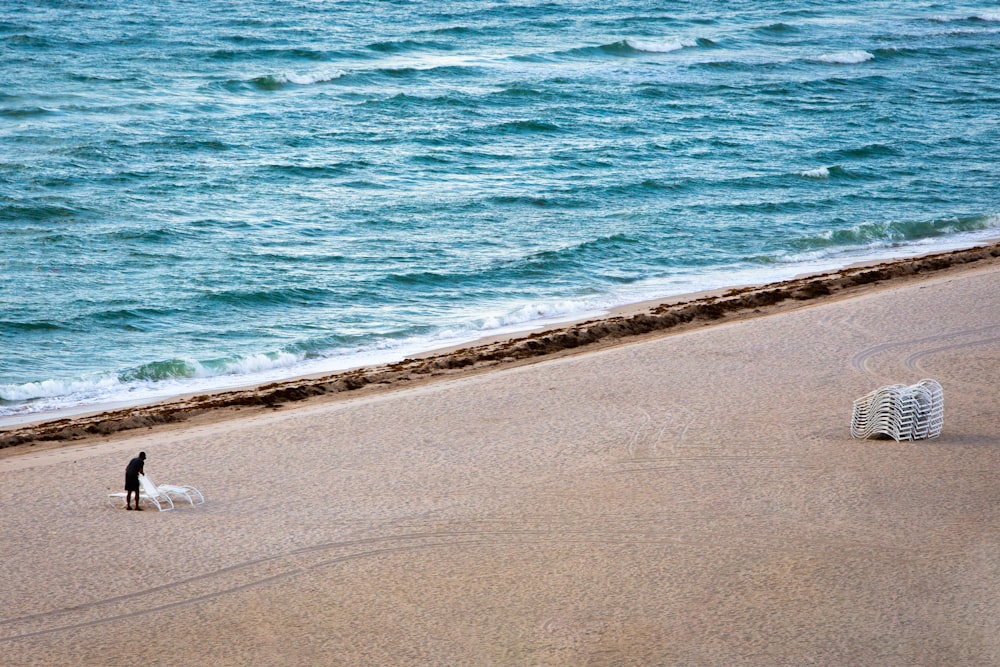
{"x":682,"y":495}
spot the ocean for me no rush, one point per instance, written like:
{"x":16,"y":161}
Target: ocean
{"x":206,"y":194}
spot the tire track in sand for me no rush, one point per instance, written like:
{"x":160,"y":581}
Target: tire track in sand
{"x":954,"y":340}
{"x":264,"y":571}
{"x":269,"y":570}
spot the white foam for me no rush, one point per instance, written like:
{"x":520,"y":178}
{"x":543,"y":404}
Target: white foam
{"x":255,"y":363}
{"x":50,"y":395}
{"x":535,"y":313}
{"x":309,"y":79}
{"x":992,"y":17}
{"x":52,"y":388}
{"x":63,"y":398}
{"x":660,"y":46}
{"x":845,"y":57}
{"x":818,"y":173}
{"x":884,"y":247}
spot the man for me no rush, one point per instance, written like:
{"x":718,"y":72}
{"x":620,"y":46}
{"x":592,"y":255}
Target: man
{"x":132,"y":472}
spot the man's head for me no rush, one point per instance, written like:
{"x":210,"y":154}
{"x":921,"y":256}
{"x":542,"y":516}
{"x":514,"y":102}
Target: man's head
{"x":142,"y":455}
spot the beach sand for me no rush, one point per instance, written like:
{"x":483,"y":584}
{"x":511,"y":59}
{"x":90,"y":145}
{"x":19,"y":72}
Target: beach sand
{"x":690,"y":496}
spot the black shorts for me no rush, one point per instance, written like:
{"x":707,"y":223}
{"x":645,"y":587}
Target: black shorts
{"x":131,"y":482}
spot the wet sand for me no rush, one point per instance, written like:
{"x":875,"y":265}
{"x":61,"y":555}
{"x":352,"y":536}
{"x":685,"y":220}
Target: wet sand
{"x":674,"y":495}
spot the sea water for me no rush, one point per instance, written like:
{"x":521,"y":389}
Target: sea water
{"x":205,"y":193}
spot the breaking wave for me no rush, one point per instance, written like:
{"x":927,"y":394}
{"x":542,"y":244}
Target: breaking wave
{"x":887,"y":234}
{"x":660,"y":46}
{"x":845,"y":57}
{"x":277,"y":81}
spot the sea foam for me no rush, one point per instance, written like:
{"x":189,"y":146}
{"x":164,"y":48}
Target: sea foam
{"x":660,"y":46}
{"x":50,"y":388}
{"x":818,"y":173}
{"x":845,"y":57}
{"x":309,"y":79}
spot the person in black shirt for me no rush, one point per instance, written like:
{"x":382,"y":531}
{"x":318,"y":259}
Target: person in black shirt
{"x":132,"y":472}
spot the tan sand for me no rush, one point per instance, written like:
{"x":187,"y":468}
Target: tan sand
{"x":688,"y":499}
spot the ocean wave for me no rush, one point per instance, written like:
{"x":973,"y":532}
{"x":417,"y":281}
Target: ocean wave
{"x":170,"y":377}
{"x":39,"y":212}
{"x":562,"y":200}
{"x":161,"y":370}
{"x":88,"y":77}
{"x":186,"y":144}
{"x":778,"y":28}
{"x":537,"y":264}
{"x":887,"y":234}
{"x":463,"y":30}
{"x":278,"y":81}
{"x":604,"y":246}
{"x":157,"y":237}
{"x":859,"y":152}
{"x":81,"y":389}
{"x":845,"y":57}
{"x":633,"y":46}
{"x":817,"y":173}
{"x":986,"y":17}
{"x":752,"y":64}
{"x":318,"y":171}
{"x":18,"y":327}
{"x":667,"y":45}
{"x":654,"y":187}
{"x":408,"y":45}
{"x":22,"y":40}
{"x":267,"y":54}
{"x":146,"y":381}
{"x":523,"y":126}
{"x":899,"y":52}
{"x":172,"y":369}
{"x":778,"y":63}
{"x":27,"y":112}
{"x":521,"y":90}
{"x":532,"y":313}
{"x":421,"y":103}
{"x":440,"y":66}
{"x":130,"y":319}
{"x":837,"y":172}
{"x":297,"y":296}
{"x":507,"y":200}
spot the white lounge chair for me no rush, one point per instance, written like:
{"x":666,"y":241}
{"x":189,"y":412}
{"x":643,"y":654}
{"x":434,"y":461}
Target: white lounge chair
{"x":149,"y":492}
{"x":188,"y":493}
{"x":900,"y":412}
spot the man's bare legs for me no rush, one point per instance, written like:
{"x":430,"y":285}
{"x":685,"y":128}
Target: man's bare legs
{"x":128,"y":500}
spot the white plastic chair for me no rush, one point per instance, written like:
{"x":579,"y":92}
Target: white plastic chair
{"x":899,"y":412}
{"x":149,"y":492}
{"x":188,"y":493}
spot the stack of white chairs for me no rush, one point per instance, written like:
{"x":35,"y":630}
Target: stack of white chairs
{"x":900,"y":412}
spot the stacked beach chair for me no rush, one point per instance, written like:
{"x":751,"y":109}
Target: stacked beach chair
{"x":900,"y":412}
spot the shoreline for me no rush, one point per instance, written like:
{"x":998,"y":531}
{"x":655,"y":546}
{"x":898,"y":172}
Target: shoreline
{"x":622,"y":325}
{"x":667,"y":499}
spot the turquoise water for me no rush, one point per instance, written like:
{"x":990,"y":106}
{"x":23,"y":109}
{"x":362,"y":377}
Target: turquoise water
{"x":205,"y":194}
